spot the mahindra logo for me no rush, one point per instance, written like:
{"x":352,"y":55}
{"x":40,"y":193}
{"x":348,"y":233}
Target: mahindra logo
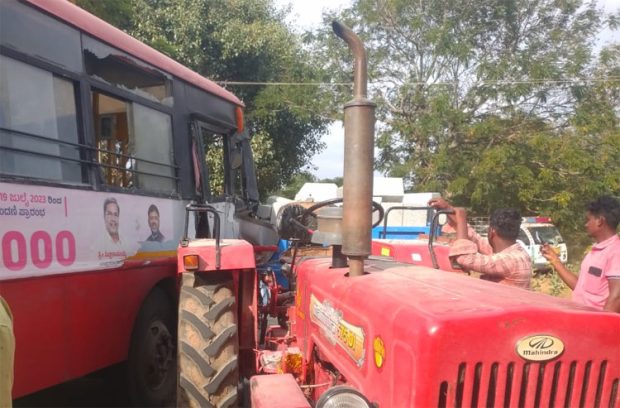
{"x":541,"y":343}
{"x":539,"y":347}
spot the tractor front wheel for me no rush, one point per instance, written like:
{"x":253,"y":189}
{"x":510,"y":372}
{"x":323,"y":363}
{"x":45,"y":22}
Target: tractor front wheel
{"x":208,"y":346}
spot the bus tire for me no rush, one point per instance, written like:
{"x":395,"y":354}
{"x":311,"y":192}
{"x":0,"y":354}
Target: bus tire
{"x":151,"y":366}
{"x":208,"y":346}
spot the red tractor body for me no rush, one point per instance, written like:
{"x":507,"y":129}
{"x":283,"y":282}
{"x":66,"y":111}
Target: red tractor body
{"x":415,"y":252}
{"x":412,"y":337}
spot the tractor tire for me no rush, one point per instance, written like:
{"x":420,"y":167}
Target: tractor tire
{"x":151,"y":366}
{"x":208,"y":346}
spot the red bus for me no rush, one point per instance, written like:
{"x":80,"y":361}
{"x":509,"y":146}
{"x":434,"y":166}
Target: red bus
{"x":102,"y":144}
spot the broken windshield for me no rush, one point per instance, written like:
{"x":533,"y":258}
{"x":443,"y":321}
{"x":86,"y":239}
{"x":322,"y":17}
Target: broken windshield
{"x":547,"y":234}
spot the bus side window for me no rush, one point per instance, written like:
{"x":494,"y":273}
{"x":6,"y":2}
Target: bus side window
{"x":112,"y":139}
{"x":134,"y":145}
{"x":38,"y":124}
{"x":214,"y":155}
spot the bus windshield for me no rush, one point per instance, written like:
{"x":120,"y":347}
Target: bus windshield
{"x":546,"y":234}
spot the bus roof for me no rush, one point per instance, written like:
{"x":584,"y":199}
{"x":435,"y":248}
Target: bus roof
{"x":98,"y":28}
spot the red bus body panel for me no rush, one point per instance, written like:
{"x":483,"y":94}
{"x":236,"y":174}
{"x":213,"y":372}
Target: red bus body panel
{"x":451,"y":340}
{"x":69,"y":325}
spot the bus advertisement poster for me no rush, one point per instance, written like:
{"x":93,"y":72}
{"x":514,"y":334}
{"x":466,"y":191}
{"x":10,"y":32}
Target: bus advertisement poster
{"x":46,"y":230}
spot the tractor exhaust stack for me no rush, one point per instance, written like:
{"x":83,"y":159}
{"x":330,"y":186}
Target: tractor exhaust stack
{"x":359,"y":126}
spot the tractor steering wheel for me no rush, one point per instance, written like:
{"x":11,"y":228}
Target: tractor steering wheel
{"x":311,"y":211}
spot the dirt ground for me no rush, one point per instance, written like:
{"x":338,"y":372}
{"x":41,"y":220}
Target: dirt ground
{"x":550,"y":284}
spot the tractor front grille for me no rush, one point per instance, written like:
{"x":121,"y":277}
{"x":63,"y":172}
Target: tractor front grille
{"x":519,"y":384}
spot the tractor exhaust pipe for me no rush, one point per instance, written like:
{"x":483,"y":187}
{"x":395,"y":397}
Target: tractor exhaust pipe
{"x":359,"y":127}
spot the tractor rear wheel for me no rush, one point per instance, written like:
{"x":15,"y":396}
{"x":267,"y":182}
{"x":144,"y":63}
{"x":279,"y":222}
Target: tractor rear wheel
{"x":208,"y":346}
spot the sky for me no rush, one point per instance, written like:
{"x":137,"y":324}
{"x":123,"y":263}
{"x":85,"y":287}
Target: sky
{"x":307,"y":14}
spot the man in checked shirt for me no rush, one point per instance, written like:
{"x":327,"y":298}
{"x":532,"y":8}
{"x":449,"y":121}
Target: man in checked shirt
{"x":498,"y":258}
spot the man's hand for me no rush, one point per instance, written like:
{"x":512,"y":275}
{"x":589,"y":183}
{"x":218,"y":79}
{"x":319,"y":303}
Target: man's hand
{"x":567,"y":276}
{"x":550,"y":255}
{"x":439,"y":204}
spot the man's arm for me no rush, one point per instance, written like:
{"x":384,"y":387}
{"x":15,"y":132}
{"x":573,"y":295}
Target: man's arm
{"x":613,"y":280}
{"x":613,"y":301}
{"x":567,"y":276}
{"x":492,"y":265}
{"x":460,"y":216}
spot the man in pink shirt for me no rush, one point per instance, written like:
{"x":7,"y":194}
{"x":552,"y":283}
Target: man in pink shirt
{"x":498,"y":258}
{"x":598,"y":284}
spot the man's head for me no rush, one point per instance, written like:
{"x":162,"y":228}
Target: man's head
{"x":111,"y":213}
{"x":504,"y":224}
{"x":602,"y":217}
{"x":153,"y":214}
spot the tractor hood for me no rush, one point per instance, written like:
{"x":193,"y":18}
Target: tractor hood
{"x":457,"y":340}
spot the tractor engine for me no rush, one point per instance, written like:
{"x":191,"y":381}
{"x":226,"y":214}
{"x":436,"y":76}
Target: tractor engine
{"x":408,"y":336}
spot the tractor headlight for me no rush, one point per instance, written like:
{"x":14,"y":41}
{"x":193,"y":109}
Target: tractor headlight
{"x":191,"y":262}
{"x":342,"y":396}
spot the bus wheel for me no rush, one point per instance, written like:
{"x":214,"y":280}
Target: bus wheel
{"x":208,"y":345}
{"x":151,"y":365}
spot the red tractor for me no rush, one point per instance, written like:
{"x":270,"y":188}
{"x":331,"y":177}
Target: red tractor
{"x":373,"y":332}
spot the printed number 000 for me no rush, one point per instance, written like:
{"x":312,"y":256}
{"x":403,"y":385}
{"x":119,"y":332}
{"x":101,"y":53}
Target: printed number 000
{"x":41,"y":249}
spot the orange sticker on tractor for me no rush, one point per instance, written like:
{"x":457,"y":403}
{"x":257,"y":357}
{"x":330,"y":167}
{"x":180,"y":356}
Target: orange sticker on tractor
{"x":337,"y":330}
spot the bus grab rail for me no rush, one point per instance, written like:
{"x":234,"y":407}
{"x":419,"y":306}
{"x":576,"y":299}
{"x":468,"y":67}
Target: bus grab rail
{"x":194,"y":207}
{"x":431,"y":238}
{"x":383,"y":234}
{"x":91,"y":149}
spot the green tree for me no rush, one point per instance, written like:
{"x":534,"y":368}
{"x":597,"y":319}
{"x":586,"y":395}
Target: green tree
{"x":336,"y":180}
{"x":550,"y":170}
{"x":247,"y":41}
{"x":119,"y":13}
{"x":296,"y":183}
{"x":442,"y":67}
{"x":484,"y":102}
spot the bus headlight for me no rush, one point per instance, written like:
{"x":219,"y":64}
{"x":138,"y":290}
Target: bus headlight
{"x":342,"y":396}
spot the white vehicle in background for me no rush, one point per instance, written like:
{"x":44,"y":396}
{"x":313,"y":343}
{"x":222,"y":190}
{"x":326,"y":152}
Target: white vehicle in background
{"x":536,"y":231}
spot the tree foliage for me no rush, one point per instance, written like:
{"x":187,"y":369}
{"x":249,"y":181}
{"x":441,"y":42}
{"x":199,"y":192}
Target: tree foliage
{"x":495,"y":103}
{"x":298,"y":180}
{"x":242,"y":41}
{"x":119,"y":13}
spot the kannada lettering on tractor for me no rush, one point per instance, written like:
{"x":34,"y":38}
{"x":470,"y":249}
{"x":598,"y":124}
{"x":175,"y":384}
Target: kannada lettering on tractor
{"x":370,"y":331}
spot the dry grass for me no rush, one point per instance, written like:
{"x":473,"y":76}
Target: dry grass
{"x":551,"y":284}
